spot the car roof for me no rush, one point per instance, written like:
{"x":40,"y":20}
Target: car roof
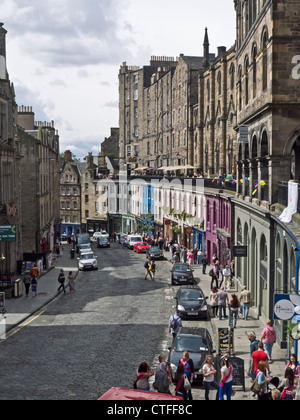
{"x":87,"y":253}
{"x":195,"y":287}
{"x":202,"y":332}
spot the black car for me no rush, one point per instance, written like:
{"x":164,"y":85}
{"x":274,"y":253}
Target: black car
{"x":191,"y":302}
{"x":182,"y":273}
{"x":103,"y":242}
{"x":198,"y":342}
{"x":155,"y":253}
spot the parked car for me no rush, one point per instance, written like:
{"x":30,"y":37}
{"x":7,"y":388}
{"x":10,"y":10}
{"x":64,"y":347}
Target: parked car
{"x":96,"y":235}
{"x":84,"y":248}
{"x":198,"y":342}
{"x":82,"y":239}
{"x":182,"y":273}
{"x":141,"y":247}
{"x":87,"y":261}
{"x":103,"y":242}
{"x":155,"y":253}
{"x":133,"y":240}
{"x":191,"y":302}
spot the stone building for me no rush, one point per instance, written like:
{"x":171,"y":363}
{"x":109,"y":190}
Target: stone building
{"x":10,"y":184}
{"x":94,"y":194}
{"x":178,"y":116}
{"x":70,"y":196}
{"x":268,"y":98}
{"x":39,"y":168}
{"x":145,"y":113}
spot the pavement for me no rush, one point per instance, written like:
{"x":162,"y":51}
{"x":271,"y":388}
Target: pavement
{"x":18,"y":310}
{"x":241,"y":341}
{"x":21,"y":309}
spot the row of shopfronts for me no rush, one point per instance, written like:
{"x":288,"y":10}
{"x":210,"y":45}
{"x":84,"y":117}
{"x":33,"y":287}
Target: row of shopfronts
{"x":216,"y":221}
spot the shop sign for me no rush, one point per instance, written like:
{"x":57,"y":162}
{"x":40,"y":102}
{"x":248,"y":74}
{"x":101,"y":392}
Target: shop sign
{"x":287,"y":307}
{"x":240,"y":251}
{"x":7,"y":233}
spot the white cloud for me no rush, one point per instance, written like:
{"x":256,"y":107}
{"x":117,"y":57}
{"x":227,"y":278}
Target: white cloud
{"x":63,"y":56}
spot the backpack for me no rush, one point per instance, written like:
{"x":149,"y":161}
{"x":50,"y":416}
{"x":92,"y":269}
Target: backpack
{"x":211,"y":272}
{"x":146,"y":264}
{"x":173,"y":323}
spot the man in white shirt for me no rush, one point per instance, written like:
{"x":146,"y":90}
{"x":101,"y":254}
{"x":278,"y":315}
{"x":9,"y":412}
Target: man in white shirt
{"x":226,"y":274}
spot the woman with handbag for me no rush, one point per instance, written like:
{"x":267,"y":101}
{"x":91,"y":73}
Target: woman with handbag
{"x":189,"y":372}
{"x":260,"y":384}
{"x":226,"y":379}
{"x":179,"y":382}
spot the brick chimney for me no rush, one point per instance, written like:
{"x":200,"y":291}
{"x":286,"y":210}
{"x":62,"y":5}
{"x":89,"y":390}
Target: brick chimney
{"x":26,"y":117}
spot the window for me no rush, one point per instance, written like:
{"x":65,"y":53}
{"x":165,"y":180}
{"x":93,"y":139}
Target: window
{"x":136,"y":131}
{"x":219,"y":79}
{"x":128,"y":150}
{"x":136,"y":94}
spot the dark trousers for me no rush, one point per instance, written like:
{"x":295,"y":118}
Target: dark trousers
{"x":62,"y":285}
{"x":207,"y":386}
{"x":27,"y":288}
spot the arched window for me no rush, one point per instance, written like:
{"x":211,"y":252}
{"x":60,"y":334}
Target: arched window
{"x":254,"y":70}
{"x":232,"y":76}
{"x":264,"y":145}
{"x":240,"y":87}
{"x":246,"y":80}
{"x":265,"y":60}
{"x":219,"y":79}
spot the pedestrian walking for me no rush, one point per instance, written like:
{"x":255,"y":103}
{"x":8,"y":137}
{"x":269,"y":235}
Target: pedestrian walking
{"x":34,"y":286}
{"x":27,"y":282}
{"x":174,"y":324}
{"x":35,"y":271}
{"x":189,"y":371}
{"x":204,"y":264}
{"x":61,"y":280}
{"x":268,"y":337}
{"x":143,"y":373}
{"x":222,"y":301}
{"x":209,"y":372}
{"x":184,"y":254}
{"x":161,"y":383}
{"x":153,"y":269}
{"x":259,"y":356}
{"x":226,"y":379}
{"x":200,"y":257}
{"x":213,"y":299}
{"x":71,"y":281}
{"x":214,"y":277}
{"x":245,"y":301}
{"x":226,"y":276}
{"x":179,"y":382}
{"x":191,"y":258}
{"x":262,"y":381}
{"x":253,"y":347}
{"x":147,"y":267}
{"x":234,"y":309}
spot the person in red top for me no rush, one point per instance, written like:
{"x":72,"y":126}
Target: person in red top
{"x":259,"y":356}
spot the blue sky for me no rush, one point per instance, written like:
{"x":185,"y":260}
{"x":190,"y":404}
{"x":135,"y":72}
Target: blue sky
{"x":64,"y":56}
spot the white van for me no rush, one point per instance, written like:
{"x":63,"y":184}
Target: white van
{"x":132,"y":240}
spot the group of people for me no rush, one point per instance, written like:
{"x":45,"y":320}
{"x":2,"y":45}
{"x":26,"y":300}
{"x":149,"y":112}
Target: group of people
{"x":219,"y":300}
{"x":70,"y":279}
{"x":184,"y":377}
{"x":260,"y":370}
{"x":150,"y":267}
{"x":31,"y":280}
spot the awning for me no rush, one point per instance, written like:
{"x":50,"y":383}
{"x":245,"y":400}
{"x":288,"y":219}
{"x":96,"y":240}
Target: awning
{"x":140,"y":169}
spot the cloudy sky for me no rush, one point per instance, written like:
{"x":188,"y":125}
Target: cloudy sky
{"x":63,"y":56}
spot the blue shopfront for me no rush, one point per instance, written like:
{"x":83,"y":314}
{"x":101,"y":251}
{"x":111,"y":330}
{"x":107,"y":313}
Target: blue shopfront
{"x":199,"y":240}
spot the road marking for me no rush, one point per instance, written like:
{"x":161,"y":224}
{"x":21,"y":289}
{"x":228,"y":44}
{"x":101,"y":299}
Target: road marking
{"x":24,"y":325}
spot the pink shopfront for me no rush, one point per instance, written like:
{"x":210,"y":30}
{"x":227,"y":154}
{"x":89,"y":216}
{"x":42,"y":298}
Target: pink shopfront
{"x":218,"y":228}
